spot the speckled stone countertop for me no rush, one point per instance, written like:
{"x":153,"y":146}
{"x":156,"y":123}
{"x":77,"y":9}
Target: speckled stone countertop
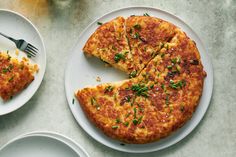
{"x":60,"y":24}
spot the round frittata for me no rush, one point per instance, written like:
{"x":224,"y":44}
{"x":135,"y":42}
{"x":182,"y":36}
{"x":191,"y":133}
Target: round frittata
{"x":165,"y":82}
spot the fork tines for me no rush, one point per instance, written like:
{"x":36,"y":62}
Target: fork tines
{"x":31,"y":50}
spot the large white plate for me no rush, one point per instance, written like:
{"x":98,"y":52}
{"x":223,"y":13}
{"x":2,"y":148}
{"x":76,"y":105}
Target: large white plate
{"x":82,"y":71}
{"x":63,"y":138}
{"x":38,"y":146}
{"x":17,"y":26}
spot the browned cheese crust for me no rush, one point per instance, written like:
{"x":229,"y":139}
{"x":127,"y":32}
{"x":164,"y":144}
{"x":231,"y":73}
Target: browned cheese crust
{"x":14,"y":76}
{"x":161,"y":99}
{"x":109,"y":43}
{"x":147,"y":35}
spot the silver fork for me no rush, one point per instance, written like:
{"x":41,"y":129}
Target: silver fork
{"x":24,"y":46}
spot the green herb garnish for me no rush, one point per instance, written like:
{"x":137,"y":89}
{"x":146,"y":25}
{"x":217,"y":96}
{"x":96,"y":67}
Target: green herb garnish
{"x":136,"y":35}
{"x":167,"y":99}
{"x":115,"y":127}
{"x":163,"y":86}
{"x":169,"y":67}
{"x":151,"y":86}
{"x":137,"y":26}
{"x":73,"y":101}
{"x":128,"y":98}
{"x":4,"y":70}
{"x":140,"y":90}
{"x":162,"y":55}
{"x":108,"y":89}
{"x":126,"y":123}
{"x":135,"y":121}
{"x":93,"y":100}
{"x":135,"y":112}
{"x":99,"y":23}
{"x":127,"y":115}
{"x":178,"y":84}
{"x":11,"y":79}
{"x":133,"y":74}
{"x":140,"y":119}
{"x":118,"y":120}
{"x":118,"y":57}
{"x":146,"y":14}
{"x":175,"y":60}
{"x":114,"y":48}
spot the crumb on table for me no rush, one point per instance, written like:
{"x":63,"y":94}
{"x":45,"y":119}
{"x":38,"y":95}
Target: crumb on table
{"x":98,"y":79}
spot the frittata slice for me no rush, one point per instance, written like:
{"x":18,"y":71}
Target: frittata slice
{"x":147,"y":35}
{"x":109,"y":43}
{"x":15,"y":75}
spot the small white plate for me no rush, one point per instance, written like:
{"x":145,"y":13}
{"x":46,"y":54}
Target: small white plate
{"x":17,"y":26}
{"x":63,"y":138}
{"x":37,"y":146}
{"x":82,"y":71}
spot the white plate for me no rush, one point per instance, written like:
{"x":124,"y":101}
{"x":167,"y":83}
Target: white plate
{"x":37,"y":146}
{"x":82,"y":71}
{"x":17,"y":26}
{"x":63,"y":138}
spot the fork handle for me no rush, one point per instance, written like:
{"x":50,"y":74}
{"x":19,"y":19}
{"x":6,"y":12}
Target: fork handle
{"x":10,"y":38}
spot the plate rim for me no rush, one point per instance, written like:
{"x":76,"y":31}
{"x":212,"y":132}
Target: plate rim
{"x":26,"y":135}
{"x":52,"y":133}
{"x":211,"y":83}
{"x":44,"y":58}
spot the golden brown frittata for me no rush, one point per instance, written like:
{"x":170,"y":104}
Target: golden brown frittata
{"x":160,"y":99}
{"x":15,"y":75}
{"x":147,"y":35}
{"x":109,"y":43}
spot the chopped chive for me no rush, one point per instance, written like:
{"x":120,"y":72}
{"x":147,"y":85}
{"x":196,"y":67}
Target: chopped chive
{"x":99,"y":23}
{"x":133,"y":74}
{"x":93,"y":100}
{"x":127,"y":115}
{"x":169,"y":67}
{"x":115,"y":127}
{"x":4,"y":70}
{"x":118,"y":57}
{"x":136,"y":35}
{"x":128,"y":98}
{"x":73,"y":101}
{"x":140,"y":90}
{"x":108,"y":89}
{"x":163,"y":86}
{"x":118,"y":120}
{"x":126,"y":123}
{"x":137,"y":26}
{"x":140,"y":119}
{"x":167,"y":99}
{"x":135,"y":121}
{"x":114,"y":48}
{"x":151,"y":86}
{"x":135,"y":111}
{"x":11,"y":79}
{"x":178,"y":84}
{"x":146,"y":14}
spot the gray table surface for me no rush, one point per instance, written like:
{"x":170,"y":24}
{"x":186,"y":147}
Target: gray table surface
{"x":60,"y":26}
